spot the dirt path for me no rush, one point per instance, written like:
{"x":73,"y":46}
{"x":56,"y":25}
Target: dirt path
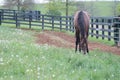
{"x":60,"y":39}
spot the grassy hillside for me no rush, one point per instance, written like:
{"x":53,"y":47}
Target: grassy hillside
{"x":103,"y":8}
{"x":22,"y":59}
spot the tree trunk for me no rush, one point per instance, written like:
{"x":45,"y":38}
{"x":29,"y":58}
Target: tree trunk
{"x":66,"y":7}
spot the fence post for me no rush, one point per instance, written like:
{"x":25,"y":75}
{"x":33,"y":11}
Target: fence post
{"x":14,"y":14}
{"x":73,"y":29}
{"x":23,"y":15}
{"x":97,"y":29}
{"x":109,"y":28}
{"x":30,"y":19}
{"x":70,"y":23}
{"x":66,"y":23}
{"x":60,"y":23}
{"x":42,"y":22}
{"x":116,"y":30}
{"x":17,"y":21}
{"x":2,"y":14}
{"x":92,"y":27}
{"x":52,"y":22}
{"x":37,"y":13}
{"x":0,"y":18}
{"x":103,"y":33}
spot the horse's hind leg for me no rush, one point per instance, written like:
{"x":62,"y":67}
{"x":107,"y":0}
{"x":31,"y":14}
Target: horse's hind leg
{"x":87,"y":48}
{"x":86,"y":44}
{"x":77,"y":41}
{"x":79,"y":45}
{"x":76,"y":44}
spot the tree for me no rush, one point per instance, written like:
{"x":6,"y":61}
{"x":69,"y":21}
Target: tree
{"x":19,"y":4}
{"x":66,"y":7}
{"x":61,"y":7}
{"x":70,"y":7}
{"x":115,"y":4}
{"x":54,"y":7}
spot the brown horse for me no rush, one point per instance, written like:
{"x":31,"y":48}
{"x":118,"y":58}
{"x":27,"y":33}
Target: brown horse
{"x":81,"y":24}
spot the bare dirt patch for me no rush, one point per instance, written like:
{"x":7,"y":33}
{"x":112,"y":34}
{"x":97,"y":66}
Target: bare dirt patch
{"x":60,"y":39}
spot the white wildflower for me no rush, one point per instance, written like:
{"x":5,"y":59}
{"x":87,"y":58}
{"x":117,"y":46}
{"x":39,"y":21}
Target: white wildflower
{"x":94,"y":70}
{"x":2,"y":63}
{"x":4,"y":41}
{"x":73,"y":71}
{"x":11,"y":77}
{"x":38,"y":77}
{"x":112,"y":75}
{"x":95,"y":55}
{"x":1,"y":59}
{"x":51,"y":68}
{"x":20,"y":60}
{"x":17,"y":56}
{"x":26,"y":56}
{"x":12,"y":55}
{"x":1,"y":78}
{"x":43,"y":57}
{"x":31,"y":70}
{"x":38,"y":68}
{"x":38,"y":73}
{"x":27,"y":70}
{"x":53,"y":75}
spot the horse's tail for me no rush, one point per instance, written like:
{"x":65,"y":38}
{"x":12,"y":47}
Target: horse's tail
{"x":81,"y":23}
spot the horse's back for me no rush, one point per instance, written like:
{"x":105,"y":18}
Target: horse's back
{"x":86,"y":18}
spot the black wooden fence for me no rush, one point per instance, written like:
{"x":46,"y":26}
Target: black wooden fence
{"x":100,"y":27}
{"x":34,"y":18}
{"x":105,"y":27}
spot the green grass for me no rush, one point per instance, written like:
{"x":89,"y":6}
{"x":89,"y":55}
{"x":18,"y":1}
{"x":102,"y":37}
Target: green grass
{"x":103,"y":8}
{"x":22,"y":59}
{"x":100,"y":40}
{"x":38,"y":29}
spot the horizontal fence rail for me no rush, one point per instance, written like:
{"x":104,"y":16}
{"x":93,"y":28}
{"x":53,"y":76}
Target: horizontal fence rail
{"x":105,"y":27}
{"x":100,"y":27}
{"x":34,"y":18}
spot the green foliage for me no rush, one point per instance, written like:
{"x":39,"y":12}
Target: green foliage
{"x":118,"y":9}
{"x":54,"y":12}
{"x":54,"y":7}
{"x":19,"y":4}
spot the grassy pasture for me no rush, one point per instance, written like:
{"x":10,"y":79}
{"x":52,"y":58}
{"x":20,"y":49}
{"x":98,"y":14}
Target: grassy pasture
{"x":22,"y":59}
